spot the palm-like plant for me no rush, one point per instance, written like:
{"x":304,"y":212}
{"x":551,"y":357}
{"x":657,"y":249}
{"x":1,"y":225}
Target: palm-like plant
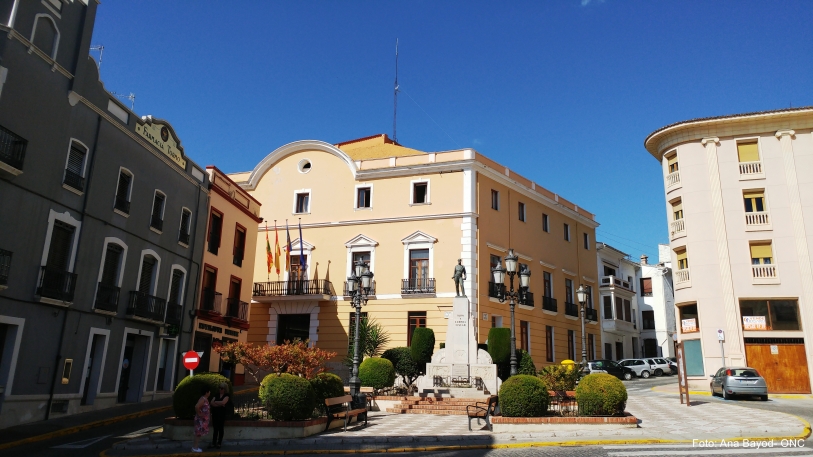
{"x":372,"y":340}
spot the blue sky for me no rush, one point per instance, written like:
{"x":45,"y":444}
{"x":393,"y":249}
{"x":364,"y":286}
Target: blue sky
{"x":562,"y":91}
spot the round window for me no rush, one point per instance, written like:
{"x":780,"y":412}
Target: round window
{"x":304,"y":166}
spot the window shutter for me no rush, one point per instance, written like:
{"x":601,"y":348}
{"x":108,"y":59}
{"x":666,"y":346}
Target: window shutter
{"x":111,"y":265}
{"x":76,"y":160}
{"x":748,"y":152}
{"x":672,"y":160}
{"x":175,"y":290}
{"x":60,"y":250}
{"x":761,"y":251}
{"x":123,"y":189}
{"x":145,"y":280}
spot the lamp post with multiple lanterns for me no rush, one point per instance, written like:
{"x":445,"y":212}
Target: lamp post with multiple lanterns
{"x":581,"y":295}
{"x":358,"y":285}
{"x":524,"y":280}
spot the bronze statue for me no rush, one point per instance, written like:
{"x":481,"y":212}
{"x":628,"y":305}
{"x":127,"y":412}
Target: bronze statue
{"x":459,"y":277}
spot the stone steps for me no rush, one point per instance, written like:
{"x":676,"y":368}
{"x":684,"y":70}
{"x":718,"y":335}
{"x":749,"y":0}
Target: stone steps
{"x":434,"y":405}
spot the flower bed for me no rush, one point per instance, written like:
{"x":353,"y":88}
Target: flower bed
{"x":550,"y":423}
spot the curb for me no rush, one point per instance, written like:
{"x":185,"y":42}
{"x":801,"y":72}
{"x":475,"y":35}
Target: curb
{"x":94,"y":424}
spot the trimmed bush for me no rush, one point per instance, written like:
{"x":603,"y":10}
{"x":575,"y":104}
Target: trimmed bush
{"x":524,"y":396}
{"x":499,"y":344}
{"x":288,"y":397}
{"x":187,"y":393}
{"x":377,"y":373}
{"x":526,"y":363}
{"x":405,"y":367}
{"x":326,"y":385}
{"x":601,"y":394}
{"x":423,"y":345}
{"x":560,"y":377}
{"x":442,"y":345}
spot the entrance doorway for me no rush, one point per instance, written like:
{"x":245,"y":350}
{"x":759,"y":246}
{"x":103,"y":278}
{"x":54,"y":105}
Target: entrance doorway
{"x":94,"y":369}
{"x":292,"y":327}
{"x":619,"y":350}
{"x":133,"y":368}
{"x":203,"y":344}
{"x":782,"y":362}
{"x":608,"y":351}
{"x":164,"y":373}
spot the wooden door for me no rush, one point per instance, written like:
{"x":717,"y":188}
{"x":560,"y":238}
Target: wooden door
{"x":785,"y":371}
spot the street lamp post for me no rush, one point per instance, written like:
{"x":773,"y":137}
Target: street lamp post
{"x":358,"y":285}
{"x":524,"y":279}
{"x":581,"y":295}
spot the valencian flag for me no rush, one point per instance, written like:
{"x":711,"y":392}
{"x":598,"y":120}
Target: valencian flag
{"x":303,"y":268}
{"x":269,"y":256}
{"x":276,"y":248}
{"x":287,"y":248}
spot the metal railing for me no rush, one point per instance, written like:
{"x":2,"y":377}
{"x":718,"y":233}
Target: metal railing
{"x":346,"y":291}
{"x":74,"y":180}
{"x":571,"y":309}
{"x":5,"y":266}
{"x":293,"y":287}
{"x":757,"y":218}
{"x":238,"y":257}
{"x":681,"y":276}
{"x":677,"y":227}
{"x":672,"y":179}
{"x":174,"y":312}
{"x":57,"y":284}
{"x":250,"y":410}
{"x":107,"y":298}
{"x":210,"y":301}
{"x":616,"y":281}
{"x":146,"y":306}
{"x":156,"y":222}
{"x":526,"y":299}
{"x":496,"y":290}
{"x":12,"y":148}
{"x":549,"y":304}
{"x":122,"y":204}
{"x":751,"y":168}
{"x":764,"y":271}
{"x":237,"y":309}
{"x":418,"y":286}
{"x":183,"y":237}
{"x":591,"y":314}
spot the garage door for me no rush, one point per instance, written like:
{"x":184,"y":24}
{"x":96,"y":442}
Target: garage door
{"x":781,"y":361}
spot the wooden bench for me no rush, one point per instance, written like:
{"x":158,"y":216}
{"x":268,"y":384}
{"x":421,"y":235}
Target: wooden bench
{"x":367,"y":391}
{"x":340,"y":408}
{"x":482,"y":410}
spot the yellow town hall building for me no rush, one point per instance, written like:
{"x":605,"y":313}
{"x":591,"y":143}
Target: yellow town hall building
{"x":411,"y":215}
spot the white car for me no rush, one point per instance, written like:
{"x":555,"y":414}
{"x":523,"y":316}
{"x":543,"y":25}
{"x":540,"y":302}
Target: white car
{"x":641,"y":367}
{"x":659,"y":365}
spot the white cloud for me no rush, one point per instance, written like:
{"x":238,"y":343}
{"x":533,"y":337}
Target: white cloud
{"x":587,"y":2}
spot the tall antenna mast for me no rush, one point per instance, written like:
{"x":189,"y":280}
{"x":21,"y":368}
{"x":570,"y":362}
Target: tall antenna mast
{"x":395,"y":95}
{"x":100,"y":48}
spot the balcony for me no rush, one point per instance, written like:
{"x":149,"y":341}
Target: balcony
{"x":313,"y":289}
{"x":413,"y":286}
{"x":238,"y":257}
{"x":74,"y":181}
{"x":571,"y":309}
{"x":591,"y":315}
{"x":183,"y":237}
{"x":107,"y":298}
{"x":56,"y":284}
{"x":682,"y":278}
{"x":236,"y":309}
{"x":673,"y":179}
{"x":146,"y":306}
{"x":764,"y":274}
{"x":496,"y":290}
{"x":526,"y":299}
{"x":549,"y":304}
{"x":759,"y":220}
{"x":122,"y":204}
{"x":677,"y":229}
{"x":174,"y":314}
{"x":612,"y":282}
{"x":156,"y":222}
{"x":618,"y":326}
{"x":210,"y":302}
{"x":346,"y":292}
{"x":12,"y":152}
{"x":751,"y":170}
{"x":5,"y":267}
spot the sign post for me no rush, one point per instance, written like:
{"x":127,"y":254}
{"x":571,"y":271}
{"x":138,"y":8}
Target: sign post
{"x":683,"y":383}
{"x":191,"y":359}
{"x":721,"y":339}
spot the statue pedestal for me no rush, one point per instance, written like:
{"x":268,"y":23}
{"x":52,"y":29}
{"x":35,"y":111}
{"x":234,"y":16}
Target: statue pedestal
{"x":460,"y":360}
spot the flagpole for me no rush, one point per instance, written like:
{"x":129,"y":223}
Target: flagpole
{"x":268,"y":275}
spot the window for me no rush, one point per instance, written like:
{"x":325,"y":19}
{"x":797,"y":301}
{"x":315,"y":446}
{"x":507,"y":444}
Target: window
{"x":549,"y":343}
{"x":494,"y":261}
{"x":363,"y":197}
{"x":627,"y":311}
{"x":672,"y":163}
{"x":548,"y":284}
{"x":682,"y":259}
{"x":689,"y":321}
{"x":545,"y":223}
{"x":111,"y":265}
{"x":586,"y":239}
{"x":45,"y":35}
{"x":748,"y":151}
{"x":184,"y":230}
{"x":496,"y":321}
{"x":239,"y":245}
{"x":157,"y":218}
{"x":363,"y":256}
{"x":754,"y":201}
{"x":770,"y":314}
{"x":567,"y":232}
{"x":524,"y":336}
{"x":568,"y":290}
{"x":420,"y":192}
{"x":75,"y":168}
{"x":571,"y":344}
{"x":591,"y":346}
{"x":148,"y":274}
{"x":761,"y":254}
{"x":646,"y":287}
{"x":677,"y":210}
{"x":304,"y":166}
{"x":415,"y":319}
{"x":619,"y":308}
{"x":303,"y":203}
{"x":176,"y":288}
{"x":418,"y":267}
{"x":495,"y":200}
{"x":215,"y":230}
{"x":608,"y":271}
{"x":210,"y":299}
{"x":608,"y":307}
{"x":589,"y":304}
{"x":521,"y":211}
{"x":123,"y":190}
{"x":299,"y":266}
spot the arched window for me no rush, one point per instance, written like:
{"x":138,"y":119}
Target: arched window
{"x":45,"y":35}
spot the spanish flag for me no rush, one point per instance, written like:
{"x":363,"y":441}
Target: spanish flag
{"x":269,"y":256}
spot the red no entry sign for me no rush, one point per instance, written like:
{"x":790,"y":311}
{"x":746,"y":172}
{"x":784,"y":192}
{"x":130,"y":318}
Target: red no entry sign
{"x":191,"y":360}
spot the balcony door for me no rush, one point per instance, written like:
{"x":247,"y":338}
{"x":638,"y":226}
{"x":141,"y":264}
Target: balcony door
{"x":419,"y":268}
{"x":292,"y":327}
{"x":54,"y":279}
{"x":147,"y":273}
{"x":209,"y":283}
{"x":233,"y":304}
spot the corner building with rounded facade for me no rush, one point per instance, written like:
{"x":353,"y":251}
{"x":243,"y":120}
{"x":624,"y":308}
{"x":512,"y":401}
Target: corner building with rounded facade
{"x":739,"y":200}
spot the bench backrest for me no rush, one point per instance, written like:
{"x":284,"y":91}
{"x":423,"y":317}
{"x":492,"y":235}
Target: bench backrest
{"x":492,"y":403}
{"x":338,"y":400}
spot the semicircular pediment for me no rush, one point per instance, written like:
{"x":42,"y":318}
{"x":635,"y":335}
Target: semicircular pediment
{"x":292,"y":148}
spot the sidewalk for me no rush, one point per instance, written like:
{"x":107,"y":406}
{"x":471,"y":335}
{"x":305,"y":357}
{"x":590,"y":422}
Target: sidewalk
{"x":673,"y":389}
{"x":66,"y":425}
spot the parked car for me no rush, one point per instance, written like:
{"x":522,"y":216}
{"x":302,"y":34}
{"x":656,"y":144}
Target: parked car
{"x":730,"y":381}
{"x":641,"y":367}
{"x":659,"y":366}
{"x":610,"y":367}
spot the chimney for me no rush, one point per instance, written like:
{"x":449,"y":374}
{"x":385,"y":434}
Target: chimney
{"x":644,"y":259}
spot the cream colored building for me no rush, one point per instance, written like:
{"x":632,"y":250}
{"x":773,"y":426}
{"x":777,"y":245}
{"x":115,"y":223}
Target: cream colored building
{"x":739,"y":199}
{"x":412,"y":214}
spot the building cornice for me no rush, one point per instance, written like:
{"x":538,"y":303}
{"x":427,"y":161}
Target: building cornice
{"x":384,"y":220}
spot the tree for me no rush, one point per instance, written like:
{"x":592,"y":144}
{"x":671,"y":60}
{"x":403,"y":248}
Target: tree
{"x":372,"y":339}
{"x":423,"y":345}
{"x":296,"y":358}
{"x":405,"y":366}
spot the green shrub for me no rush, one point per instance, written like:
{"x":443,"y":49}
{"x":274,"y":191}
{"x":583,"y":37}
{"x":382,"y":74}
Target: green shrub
{"x":423,"y":344}
{"x":524,"y":396}
{"x":442,"y":345}
{"x":499,"y":344}
{"x":326,"y":385}
{"x":377,"y":373}
{"x":287,"y":397}
{"x":405,"y":367}
{"x":560,"y":377}
{"x":187,"y":393}
{"x":526,"y":363}
{"x":601,"y":394}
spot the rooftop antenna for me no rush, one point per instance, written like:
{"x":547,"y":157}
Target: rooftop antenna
{"x":130,"y":97}
{"x":100,"y":48}
{"x":395,"y":95}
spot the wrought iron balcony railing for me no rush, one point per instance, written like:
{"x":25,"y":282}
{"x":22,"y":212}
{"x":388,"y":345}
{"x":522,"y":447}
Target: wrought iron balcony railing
{"x":57,"y":284}
{"x":5,"y":266}
{"x":146,"y":306}
{"x":526,"y":299}
{"x":74,"y":180}
{"x":591,"y":315}
{"x":107,"y":298}
{"x":346,"y":291}
{"x":418,"y":286}
{"x":293,"y":287}
{"x":237,"y":309}
{"x":210,"y":301}
{"x":174,"y":312}
{"x":496,"y":290}
{"x":549,"y":304}
{"x":12,"y":148}
{"x":571,"y":309}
